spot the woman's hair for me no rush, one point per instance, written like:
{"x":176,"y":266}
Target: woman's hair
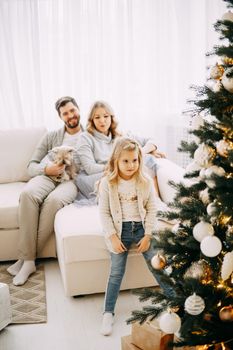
{"x":90,"y":124}
{"x":124,"y":144}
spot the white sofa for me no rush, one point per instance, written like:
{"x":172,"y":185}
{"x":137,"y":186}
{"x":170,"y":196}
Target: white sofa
{"x":80,"y":248}
{"x":16,"y":148}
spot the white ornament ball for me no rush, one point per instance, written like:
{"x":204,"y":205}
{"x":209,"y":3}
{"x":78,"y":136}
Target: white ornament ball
{"x":228,"y":16}
{"x":202,"y":173}
{"x":227,"y":266}
{"x":197,"y":122}
{"x":222,"y":147}
{"x":169,"y":322}
{"x":213,"y":170}
{"x":158,"y":262}
{"x":227,"y":81}
{"x":194,"y":305}
{"x":203,"y":155}
{"x":201,"y":230}
{"x":211,"y":246}
{"x":211,"y":208}
{"x":204,"y":196}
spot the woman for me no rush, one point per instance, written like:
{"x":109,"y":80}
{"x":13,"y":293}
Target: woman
{"x":95,"y":147}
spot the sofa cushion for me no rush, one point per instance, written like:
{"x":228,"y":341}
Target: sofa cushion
{"x":79,"y":232}
{"x":167,"y":171}
{"x":16,"y":148}
{"x":9,"y":201}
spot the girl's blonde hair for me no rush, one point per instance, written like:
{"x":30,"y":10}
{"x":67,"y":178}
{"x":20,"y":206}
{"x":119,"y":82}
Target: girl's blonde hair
{"x":90,"y":124}
{"x":124,"y":144}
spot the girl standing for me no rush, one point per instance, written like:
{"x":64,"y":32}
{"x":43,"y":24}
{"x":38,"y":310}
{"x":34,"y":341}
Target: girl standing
{"x":128,"y":215}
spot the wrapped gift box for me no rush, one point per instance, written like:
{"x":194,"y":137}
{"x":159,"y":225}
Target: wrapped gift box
{"x":5,"y":306}
{"x":148,"y":336}
{"x":126,"y":343}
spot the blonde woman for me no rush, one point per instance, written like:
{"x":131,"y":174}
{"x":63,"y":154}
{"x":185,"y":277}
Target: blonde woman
{"x":96,"y":143}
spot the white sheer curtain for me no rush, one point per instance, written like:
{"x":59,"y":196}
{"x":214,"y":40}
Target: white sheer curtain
{"x":141,"y":56}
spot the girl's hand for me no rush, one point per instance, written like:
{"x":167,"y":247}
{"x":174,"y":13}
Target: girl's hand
{"x":144,"y":244}
{"x":117,"y":245}
{"x":158,"y":154}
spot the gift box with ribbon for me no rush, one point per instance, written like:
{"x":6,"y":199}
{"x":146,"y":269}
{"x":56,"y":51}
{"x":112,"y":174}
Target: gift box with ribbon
{"x":148,"y":336}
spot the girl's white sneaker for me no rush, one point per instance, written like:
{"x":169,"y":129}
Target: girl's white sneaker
{"x":107,"y":322}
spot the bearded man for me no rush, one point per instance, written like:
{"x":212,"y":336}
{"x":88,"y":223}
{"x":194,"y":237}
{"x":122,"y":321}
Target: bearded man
{"x":42,"y":196}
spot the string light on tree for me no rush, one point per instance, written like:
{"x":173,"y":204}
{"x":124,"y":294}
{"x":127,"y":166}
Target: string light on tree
{"x":224,"y":220}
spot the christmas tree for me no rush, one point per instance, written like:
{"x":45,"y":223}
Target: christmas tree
{"x":196,"y":298}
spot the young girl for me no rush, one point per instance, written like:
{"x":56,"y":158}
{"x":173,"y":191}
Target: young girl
{"x":128,"y":215}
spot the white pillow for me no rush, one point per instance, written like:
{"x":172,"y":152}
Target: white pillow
{"x":167,"y":170}
{"x":16,"y":148}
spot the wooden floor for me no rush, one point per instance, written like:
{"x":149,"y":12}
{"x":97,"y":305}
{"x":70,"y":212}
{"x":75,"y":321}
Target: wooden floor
{"x":73,"y":323}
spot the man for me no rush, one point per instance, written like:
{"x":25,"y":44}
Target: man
{"x":42,"y":197}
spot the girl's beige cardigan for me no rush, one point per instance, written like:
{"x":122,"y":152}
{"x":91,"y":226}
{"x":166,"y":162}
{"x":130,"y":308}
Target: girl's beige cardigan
{"x":110,"y":209}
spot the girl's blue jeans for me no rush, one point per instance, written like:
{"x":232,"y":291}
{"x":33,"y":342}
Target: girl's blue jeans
{"x":132,"y":232}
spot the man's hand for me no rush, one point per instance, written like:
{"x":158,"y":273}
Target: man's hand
{"x":54,"y":169}
{"x":158,"y":154}
{"x":144,"y":244}
{"x":117,"y":245}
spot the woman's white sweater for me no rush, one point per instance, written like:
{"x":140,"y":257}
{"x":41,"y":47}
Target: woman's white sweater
{"x":94,"y":151}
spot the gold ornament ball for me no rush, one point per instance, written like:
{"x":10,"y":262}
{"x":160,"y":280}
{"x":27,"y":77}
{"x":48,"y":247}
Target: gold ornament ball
{"x":216,"y":71}
{"x":226,"y":314}
{"x":158,"y":262}
{"x":223,"y":147}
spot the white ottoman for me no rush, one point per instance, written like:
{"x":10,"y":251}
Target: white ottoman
{"x":83,"y":257}
{"x":5,"y":306}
